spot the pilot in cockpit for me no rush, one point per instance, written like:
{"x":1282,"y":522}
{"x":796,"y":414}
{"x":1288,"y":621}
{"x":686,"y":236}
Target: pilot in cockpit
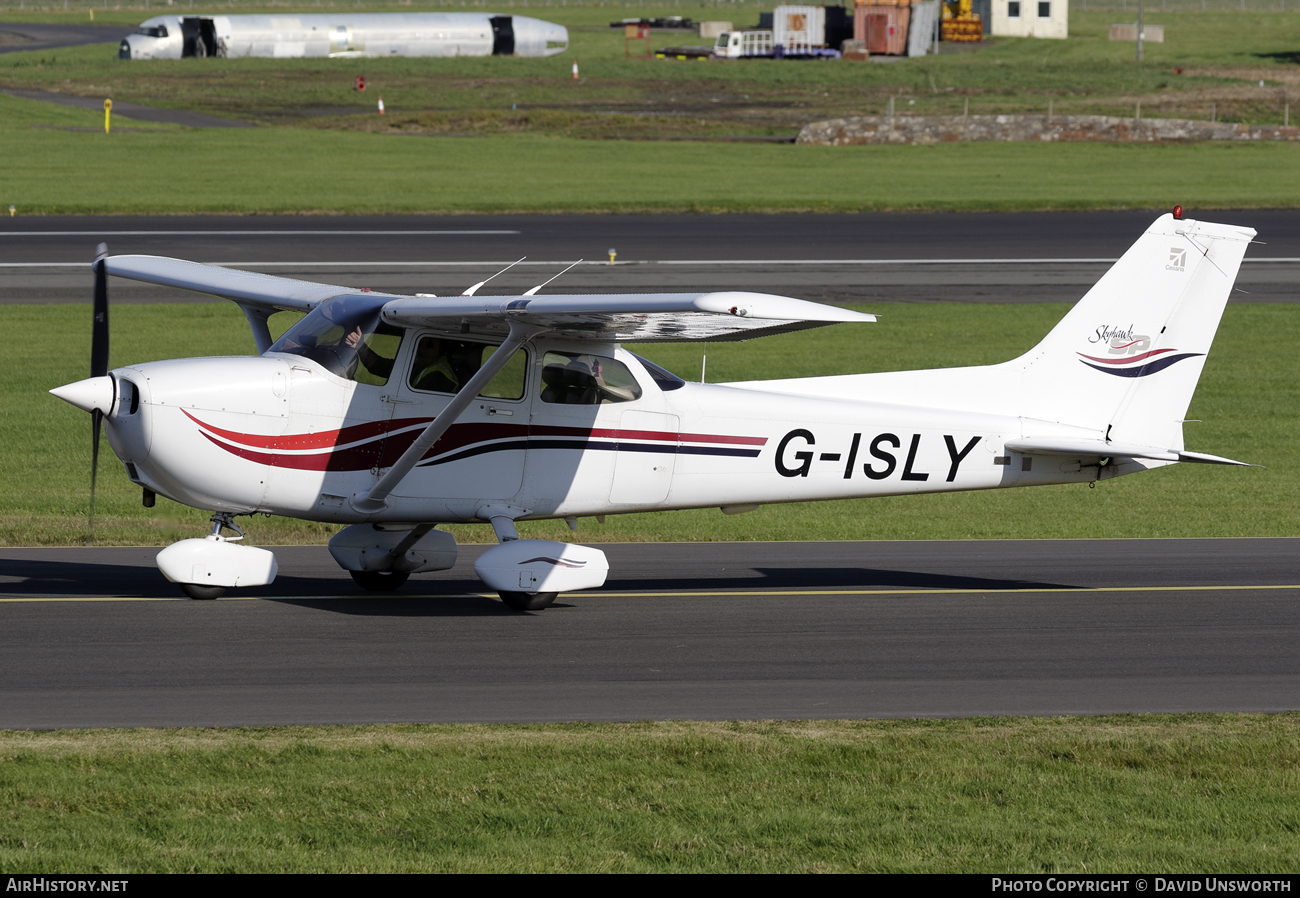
{"x":433,"y":369}
{"x":341,"y":335}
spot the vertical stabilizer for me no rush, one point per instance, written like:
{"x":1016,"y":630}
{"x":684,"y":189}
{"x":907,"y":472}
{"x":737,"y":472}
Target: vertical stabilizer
{"x":1125,"y":360}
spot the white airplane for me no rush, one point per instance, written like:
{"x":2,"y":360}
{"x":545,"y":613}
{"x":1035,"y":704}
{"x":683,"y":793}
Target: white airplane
{"x":344,"y":34}
{"x":393,"y":414}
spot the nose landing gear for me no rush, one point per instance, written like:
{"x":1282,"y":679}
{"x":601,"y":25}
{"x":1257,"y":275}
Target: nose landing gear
{"x":205,"y":568}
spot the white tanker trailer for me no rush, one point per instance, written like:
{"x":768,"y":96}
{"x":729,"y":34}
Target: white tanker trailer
{"x":346,"y":35}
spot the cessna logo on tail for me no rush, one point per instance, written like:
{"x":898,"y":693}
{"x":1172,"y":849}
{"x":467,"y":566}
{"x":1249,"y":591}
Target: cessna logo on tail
{"x":1177,"y":259}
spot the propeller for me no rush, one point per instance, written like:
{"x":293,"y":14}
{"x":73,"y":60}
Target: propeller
{"x":98,"y":368}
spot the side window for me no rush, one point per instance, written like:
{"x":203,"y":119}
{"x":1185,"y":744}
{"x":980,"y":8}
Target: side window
{"x":443,"y":366}
{"x":376,"y":354}
{"x":1045,"y":9}
{"x":580,"y":379}
{"x":1013,"y":9}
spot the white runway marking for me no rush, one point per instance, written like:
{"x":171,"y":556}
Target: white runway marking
{"x":445,"y":233}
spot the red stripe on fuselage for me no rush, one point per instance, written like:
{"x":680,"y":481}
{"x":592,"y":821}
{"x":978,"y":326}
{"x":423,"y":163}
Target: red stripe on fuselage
{"x":325,"y":439}
{"x":381,"y":443}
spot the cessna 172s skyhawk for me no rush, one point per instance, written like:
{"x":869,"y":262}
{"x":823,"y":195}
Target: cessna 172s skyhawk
{"x":394,"y":414}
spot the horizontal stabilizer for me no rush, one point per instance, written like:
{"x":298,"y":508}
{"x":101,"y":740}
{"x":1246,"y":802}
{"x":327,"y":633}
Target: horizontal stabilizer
{"x":625,"y":317}
{"x":1102,"y":449}
{"x":1205,"y":459}
{"x":245,"y":287}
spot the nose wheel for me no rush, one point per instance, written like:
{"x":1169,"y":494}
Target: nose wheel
{"x":206,"y":568}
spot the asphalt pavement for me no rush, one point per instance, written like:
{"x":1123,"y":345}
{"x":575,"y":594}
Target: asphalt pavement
{"x":96,"y":638}
{"x":852,"y":258}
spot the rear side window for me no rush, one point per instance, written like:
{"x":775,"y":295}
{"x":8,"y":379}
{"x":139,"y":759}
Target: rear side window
{"x":581,"y":379}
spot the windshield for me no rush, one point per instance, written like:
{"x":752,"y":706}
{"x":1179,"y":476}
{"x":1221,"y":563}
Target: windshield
{"x":159,"y":31}
{"x":345,"y":335}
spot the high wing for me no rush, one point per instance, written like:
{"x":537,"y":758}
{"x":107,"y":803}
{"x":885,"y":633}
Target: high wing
{"x":624,"y":317}
{"x":263,"y":291}
{"x":627,"y":317}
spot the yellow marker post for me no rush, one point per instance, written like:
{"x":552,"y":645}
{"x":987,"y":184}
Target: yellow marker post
{"x":92,"y":15}
{"x":108,"y":112}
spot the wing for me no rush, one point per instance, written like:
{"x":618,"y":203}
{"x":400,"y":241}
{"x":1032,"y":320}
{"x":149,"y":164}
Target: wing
{"x":262,"y":291}
{"x":624,"y":317}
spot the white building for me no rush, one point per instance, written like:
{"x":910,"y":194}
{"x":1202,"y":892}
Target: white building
{"x":1031,"y":18}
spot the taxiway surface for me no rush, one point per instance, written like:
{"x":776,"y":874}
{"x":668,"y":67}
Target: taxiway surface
{"x":96,"y":638}
{"x":862,"y":258}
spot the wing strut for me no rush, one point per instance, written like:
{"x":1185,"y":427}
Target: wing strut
{"x":376,"y":500}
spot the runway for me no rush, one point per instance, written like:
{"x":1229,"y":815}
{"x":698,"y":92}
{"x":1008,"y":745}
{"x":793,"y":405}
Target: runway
{"x":96,"y":638}
{"x":862,"y":258}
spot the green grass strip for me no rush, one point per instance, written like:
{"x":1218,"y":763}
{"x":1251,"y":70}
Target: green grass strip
{"x":1194,"y":793}
{"x":289,"y":170}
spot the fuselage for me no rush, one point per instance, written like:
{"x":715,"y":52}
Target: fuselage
{"x":344,"y":34}
{"x":284,"y":434}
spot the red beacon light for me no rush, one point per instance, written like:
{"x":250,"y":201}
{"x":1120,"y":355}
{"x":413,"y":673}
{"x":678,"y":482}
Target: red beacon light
{"x":1178,"y":213}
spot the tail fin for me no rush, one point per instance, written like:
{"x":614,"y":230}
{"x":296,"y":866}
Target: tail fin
{"x":1125,"y":360}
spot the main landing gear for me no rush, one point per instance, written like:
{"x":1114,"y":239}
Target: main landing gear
{"x":525,"y":601}
{"x":380,"y":581}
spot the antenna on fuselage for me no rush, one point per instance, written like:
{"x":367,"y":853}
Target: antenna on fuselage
{"x":533,"y":292}
{"x":472,"y":290}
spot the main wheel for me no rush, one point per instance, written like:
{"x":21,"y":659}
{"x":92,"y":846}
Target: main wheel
{"x":195,"y":591}
{"x":523,"y":601}
{"x":379,"y":581}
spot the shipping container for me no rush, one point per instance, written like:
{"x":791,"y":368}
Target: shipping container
{"x":794,"y":26}
{"x":883,"y":28}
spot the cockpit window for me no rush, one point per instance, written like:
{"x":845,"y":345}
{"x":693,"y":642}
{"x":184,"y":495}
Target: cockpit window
{"x":444,"y":366}
{"x":573,"y":379}
{"x":345,"y":335}
{"x":153,"y":31}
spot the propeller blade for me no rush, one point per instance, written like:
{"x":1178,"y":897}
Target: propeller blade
{"x":95,"y":417}
{"x":98,"y":368}
{"x":99,"y":325}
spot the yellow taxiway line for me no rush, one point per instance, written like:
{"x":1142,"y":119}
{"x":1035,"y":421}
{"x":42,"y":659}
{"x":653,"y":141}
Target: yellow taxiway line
{"x":693,"y":594}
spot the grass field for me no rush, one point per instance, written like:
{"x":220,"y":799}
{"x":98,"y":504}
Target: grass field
{"x":1223,"y":56}
{"x":1247,"y":399}
{"x":293,"y":170}
{"x":500,"y":134}
{"x":1193,"y":793}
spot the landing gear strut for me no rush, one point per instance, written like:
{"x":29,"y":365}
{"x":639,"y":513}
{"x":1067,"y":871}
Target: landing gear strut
{"x":205,"y":568}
